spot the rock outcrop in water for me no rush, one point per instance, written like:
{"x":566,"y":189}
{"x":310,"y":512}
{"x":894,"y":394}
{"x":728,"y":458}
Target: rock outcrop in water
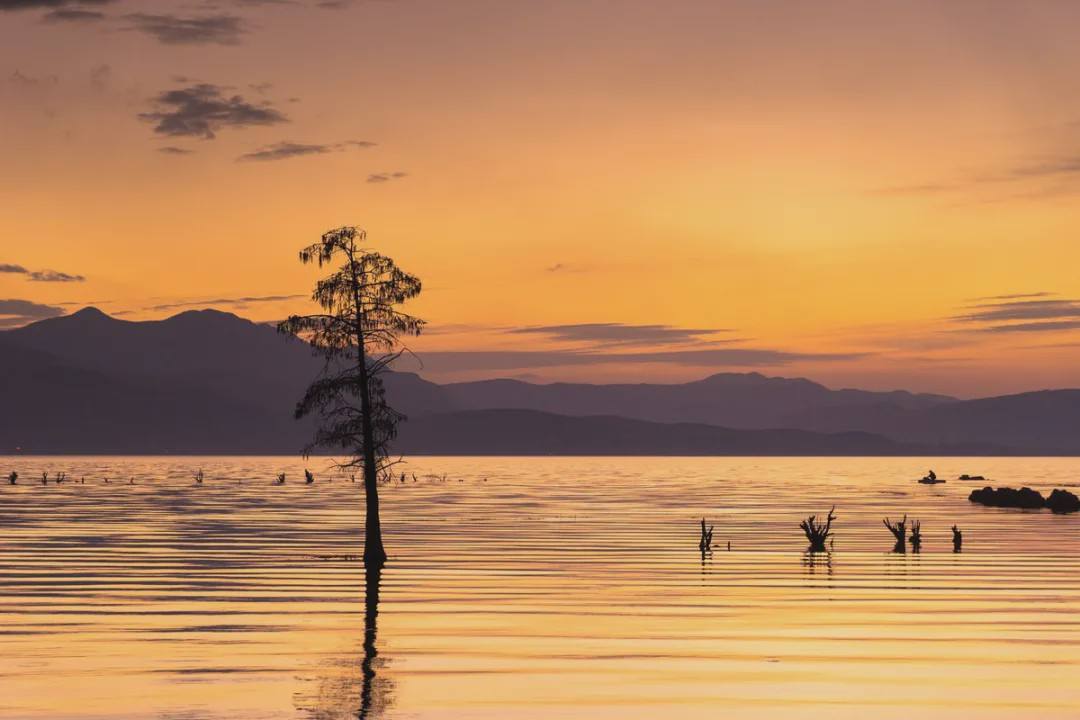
{"x":1063,"y":501}
{"x":1060,"y":501}
{"x":1024,"y":498}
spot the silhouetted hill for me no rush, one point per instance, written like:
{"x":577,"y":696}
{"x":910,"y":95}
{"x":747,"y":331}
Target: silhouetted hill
{"x":738,"y":400}
{"x":202,"y":381}
{"x":208,"y":381}
{"x":1044,"y":421}
{"x":529,"y":432}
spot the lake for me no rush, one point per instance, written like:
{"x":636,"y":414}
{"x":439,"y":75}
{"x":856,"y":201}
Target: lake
{"x":533,"y":588}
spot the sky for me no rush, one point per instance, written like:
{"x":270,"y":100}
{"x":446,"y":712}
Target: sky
{"x":870,"y":194}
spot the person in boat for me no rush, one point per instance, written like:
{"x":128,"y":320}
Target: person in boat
{"x":931,"y":475}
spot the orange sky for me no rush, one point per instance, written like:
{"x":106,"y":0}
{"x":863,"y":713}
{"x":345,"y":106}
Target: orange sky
{"x":833,"y":184}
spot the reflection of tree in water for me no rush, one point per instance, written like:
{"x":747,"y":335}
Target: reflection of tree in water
{"x":812,"y":561}
{"x":348,"y":690}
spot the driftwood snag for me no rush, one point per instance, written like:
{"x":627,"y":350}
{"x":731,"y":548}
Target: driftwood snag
{"x":705,"y":544}
{"x":957,"y":539}
{"x":899,"y":531}
{"x":817,"y":533}
{"x":916,"y":536}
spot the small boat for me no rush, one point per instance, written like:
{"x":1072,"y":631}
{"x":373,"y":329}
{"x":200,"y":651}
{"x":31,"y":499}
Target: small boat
{"x":930,"y":480}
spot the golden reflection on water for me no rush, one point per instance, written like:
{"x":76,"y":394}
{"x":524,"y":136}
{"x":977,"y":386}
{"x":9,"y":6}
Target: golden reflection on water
{"x":533,"y":588}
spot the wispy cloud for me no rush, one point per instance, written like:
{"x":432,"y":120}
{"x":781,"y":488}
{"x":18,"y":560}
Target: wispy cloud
{"x":40,"y":275}
{"x":1021,"y":310}
{"x":565,"y":267}
{"x":22,"y":80}
{"x":495,"y":360}
{"x":203,"y":109}
{"x":6,"y":5}
{"x":1030,"y":178}
{"x":1033,"y":327}
{"x":73,"y":15}
{"x":285,"y":150}
{"x":622,"y":334}
{"x":177,"y":30}
{"x":1021,"y":313}
{"x":383,"y":177}
{"x":233,"y":301}
{"x":1013,"y":296}
{"x":14,"y":313}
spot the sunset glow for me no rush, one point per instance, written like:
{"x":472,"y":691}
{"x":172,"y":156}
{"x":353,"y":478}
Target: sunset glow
{"x":851,"y":187}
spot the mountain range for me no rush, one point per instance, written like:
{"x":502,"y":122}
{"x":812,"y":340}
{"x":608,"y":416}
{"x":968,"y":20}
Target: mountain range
{"x":211,"y":382}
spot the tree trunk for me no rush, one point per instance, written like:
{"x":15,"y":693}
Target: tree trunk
{"x":374,"y":553}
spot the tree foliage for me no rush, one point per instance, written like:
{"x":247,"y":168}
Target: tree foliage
{"x":359,"y":335}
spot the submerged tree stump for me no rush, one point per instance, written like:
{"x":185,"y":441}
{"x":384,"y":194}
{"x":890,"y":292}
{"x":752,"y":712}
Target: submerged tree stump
{"x":899,"y":531}
{"x":957,"y":539}
{"x":817,"y":533}
{"x":705,"y":544}
{"x":916,"y":536}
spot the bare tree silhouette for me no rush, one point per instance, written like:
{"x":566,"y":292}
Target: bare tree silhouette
{"x":816,"y":532}
{"x":899,"y":531}
{"x":916,"y":535}
{"x":359,"y":336}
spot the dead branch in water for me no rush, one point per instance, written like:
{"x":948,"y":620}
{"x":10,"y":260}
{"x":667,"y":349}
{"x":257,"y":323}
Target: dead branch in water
{"x":916,"y":536}
{"x":705,"y":544}
{"x":817,"y":533}
{"x":899,"y":531}
{"x":957,"y":539}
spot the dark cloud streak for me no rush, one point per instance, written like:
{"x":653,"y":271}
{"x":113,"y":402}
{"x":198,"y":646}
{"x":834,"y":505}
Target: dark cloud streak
{"x":238,"y":301}
{"x":383,"y":177}
{"x":285,"y":150}
{"x":203,"y":109}
{"x":452,"y":361}
{"x":175,"y":30}
{"x":14,"y":313}
{"x":620,"y":334}
{"x":40,"y":275}
{"x":6,"y":5}
{"x":73,"y":15}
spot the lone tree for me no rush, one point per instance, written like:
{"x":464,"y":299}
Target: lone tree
{"x":358,"y":335}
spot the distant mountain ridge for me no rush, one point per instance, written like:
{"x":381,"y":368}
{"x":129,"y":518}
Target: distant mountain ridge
{"x":741,"y":400}
{"x":209,"y":381}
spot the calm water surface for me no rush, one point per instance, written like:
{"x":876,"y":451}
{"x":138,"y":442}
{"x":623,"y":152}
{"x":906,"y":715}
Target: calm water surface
{"x":533,"y":588}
